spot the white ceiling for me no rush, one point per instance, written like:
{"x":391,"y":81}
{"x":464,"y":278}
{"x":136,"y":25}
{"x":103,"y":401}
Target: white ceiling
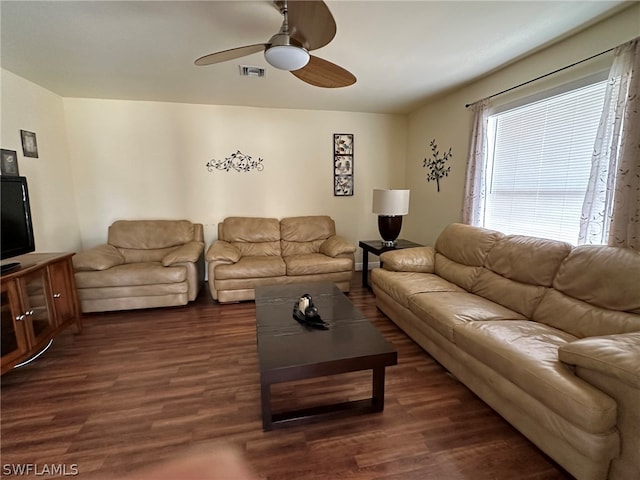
{"x":402,"y":52}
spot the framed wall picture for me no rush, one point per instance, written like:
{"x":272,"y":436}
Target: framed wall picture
{"x":343,"y":179}
{"x":343,"y":143}
{"x":29,"y":144}
{"x":9,"y":163}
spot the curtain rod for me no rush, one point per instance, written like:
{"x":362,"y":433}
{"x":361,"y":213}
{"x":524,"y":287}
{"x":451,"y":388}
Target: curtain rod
{"x":542,"y":76}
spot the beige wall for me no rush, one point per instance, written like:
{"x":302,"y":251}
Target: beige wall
{"x":101,"y":160}
{"x":26,"y":106}
{"x":148,"y":160}
{"x":448,"y":121}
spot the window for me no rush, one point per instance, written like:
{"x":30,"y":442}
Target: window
{"x":539,"y":161}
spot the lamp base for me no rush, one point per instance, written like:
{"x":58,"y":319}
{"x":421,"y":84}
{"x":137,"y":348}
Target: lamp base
{"x":389,"y":227}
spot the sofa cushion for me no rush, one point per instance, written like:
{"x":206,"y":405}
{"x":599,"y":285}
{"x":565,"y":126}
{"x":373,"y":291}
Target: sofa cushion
{"x":529,"y":260}
{"x":465,"y":244}
{"x":337,"y":245}
{"x":258,"y":249}
{"x":521,"y":297}
{"x":314,"y":263}
{"x":150,"y":234}
{"x":249,"y":229}
{"x":402,"y":285}
{"x":300,"y":248}
{"x":582,"y":319}
{"x":460,"y":252}
{"x":139,"y":255}
{"x":464,"y":276}
{"x":221,"y":251}
{"x":231,"y":286}
{"x":613,"y":281}
{"x":252,"y":267}
{"x":526,"y":353}
{"x":133,"y":291}
{"x":415,"y":259}
{"x":251,"y":236}
{"x":446,"y":310}
{"x":189,"y":252}
{"x":132,"y":274}
{"x":100,"y":257}
{"x":307,"y":229}
{"x":303,"y":235}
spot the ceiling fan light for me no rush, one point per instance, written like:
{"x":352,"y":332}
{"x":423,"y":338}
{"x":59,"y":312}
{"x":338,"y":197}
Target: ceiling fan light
{"x":287,"y":57}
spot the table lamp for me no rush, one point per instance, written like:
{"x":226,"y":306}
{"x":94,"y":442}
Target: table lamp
{"x":390,"y":206}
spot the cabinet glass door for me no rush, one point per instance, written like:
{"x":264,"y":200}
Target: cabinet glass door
{"x":12,"y":336}
{"x":36,"y":307}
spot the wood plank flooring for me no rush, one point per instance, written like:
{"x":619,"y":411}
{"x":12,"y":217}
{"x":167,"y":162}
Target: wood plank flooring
{"x":139,"y":387}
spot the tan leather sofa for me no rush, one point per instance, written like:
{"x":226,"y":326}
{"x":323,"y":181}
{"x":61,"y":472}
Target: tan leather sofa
{"x":254,"y":251}
{"x":545,"y":333}
{"x":144,"y":264}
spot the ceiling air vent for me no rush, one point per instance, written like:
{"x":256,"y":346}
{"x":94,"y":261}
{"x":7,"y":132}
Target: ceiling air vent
{"x":247,"y":71}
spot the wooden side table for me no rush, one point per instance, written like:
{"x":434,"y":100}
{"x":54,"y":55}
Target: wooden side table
{"x":376,"y":247}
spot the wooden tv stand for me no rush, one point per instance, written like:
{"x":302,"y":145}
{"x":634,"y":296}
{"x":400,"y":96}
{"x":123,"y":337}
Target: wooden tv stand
{"x":39,"y":300}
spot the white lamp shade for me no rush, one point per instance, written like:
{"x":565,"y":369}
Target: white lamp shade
{"x":391,"y":202}
{"x":287,"y":57}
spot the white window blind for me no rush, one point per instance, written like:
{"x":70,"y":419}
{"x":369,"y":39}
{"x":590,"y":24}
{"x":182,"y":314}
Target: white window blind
{"x":539,"y":163}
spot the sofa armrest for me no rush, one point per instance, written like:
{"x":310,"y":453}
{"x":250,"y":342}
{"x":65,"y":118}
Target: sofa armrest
{"x":189,"y":252}
{"x":615,"y":356}
{"x":101,"y":257}
{"x":415,"y":259}
{"x":612,"y":364}
{"x":335,"y":246}
{"x":221,"y":251}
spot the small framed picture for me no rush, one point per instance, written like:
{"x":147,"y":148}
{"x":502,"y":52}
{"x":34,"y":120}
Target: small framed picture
{"x":343,"y":165}
{"x":343,"y":185}
{"x":29,"y":144}
{"x":9,"y":163}
{"x":343,"y":144}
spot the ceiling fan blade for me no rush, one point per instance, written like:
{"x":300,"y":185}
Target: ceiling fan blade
{"x":310,"y":22}
{"x":225,"y":55}
{"x":321,"y":73}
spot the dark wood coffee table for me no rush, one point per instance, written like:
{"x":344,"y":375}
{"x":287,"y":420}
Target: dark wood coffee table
{"x":290,"y":351}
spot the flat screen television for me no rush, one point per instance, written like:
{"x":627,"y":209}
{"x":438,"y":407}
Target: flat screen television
{"x":16,"y":236}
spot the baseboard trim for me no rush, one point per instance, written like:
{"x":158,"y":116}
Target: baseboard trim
{"x":358,"y":266}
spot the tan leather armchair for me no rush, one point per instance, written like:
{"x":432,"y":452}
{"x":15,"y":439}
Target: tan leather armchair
{"x":144,"y":264}
{"x":254,"y":251}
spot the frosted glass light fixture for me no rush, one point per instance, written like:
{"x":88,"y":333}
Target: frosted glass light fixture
{"x":286,"y":53}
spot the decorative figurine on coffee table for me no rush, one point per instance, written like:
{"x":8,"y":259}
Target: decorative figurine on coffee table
{"x":305,"y":312}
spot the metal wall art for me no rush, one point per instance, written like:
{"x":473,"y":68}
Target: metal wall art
{"x":343,"y":164}
{"x":237,"y":161}
{"x":436,"y":166}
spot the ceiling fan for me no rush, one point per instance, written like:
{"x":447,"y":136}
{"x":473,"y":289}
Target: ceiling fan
{"x":307,"y":25}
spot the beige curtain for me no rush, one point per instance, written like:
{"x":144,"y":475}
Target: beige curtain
{"x":611,"y":209}
{"x":475,"y":188}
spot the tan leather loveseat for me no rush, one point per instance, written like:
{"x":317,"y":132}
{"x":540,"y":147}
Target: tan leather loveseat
{"x":547,"y":334}
{"x":253,"y":251}
{"x":144,"y":264}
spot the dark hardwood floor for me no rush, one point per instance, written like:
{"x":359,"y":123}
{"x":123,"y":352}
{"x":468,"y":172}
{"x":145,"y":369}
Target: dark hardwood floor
{"x":139,"y":387}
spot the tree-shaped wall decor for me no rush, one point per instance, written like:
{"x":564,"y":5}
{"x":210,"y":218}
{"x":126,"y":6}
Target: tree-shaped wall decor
{"x":437,"y":166}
